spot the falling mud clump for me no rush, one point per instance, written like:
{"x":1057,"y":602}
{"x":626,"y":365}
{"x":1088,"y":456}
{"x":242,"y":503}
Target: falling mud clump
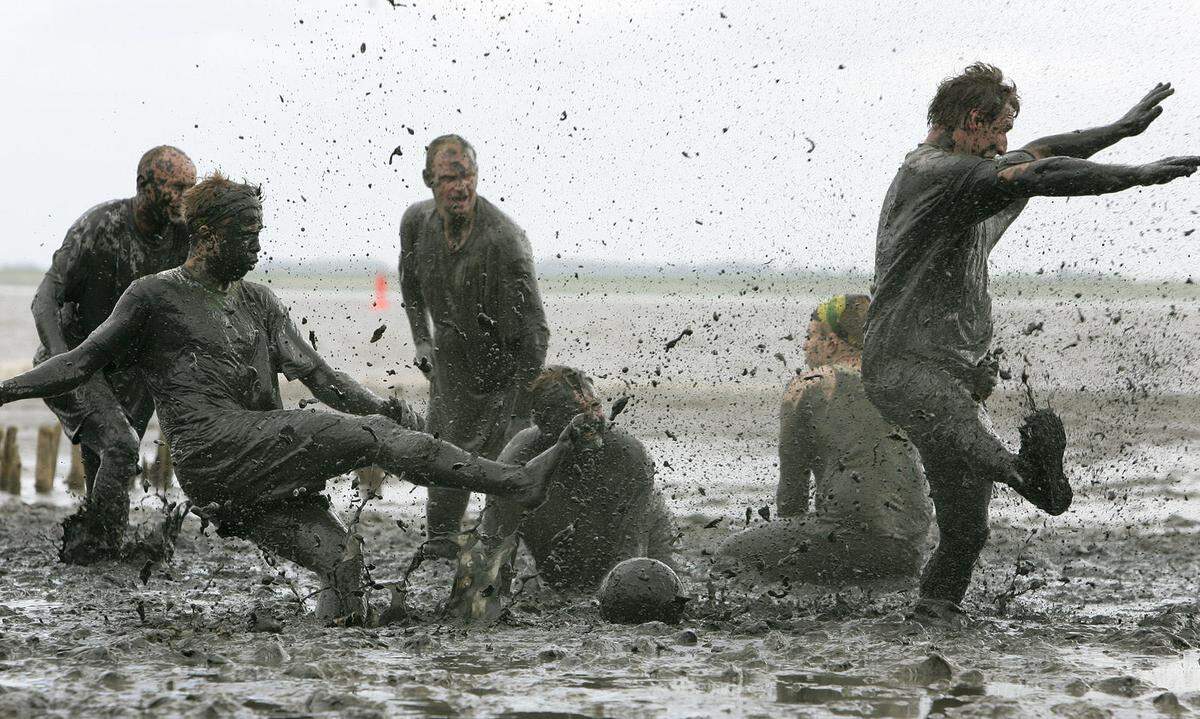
{"x":641,"y":590}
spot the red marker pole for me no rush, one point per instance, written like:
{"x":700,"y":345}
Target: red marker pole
{"x":380,"y":302}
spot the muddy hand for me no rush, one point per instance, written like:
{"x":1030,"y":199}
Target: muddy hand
{"x":1147,"y":110}
{"x":585,"y":431}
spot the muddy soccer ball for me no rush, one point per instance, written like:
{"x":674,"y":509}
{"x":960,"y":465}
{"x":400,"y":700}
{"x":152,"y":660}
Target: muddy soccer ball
{"x":641,"y":590}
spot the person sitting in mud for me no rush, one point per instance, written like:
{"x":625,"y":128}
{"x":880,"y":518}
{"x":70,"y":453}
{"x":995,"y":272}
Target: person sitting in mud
{"x":110,"y":246}
{"x":211,"y":346}
{"x":871,"y":513}
{"x":601,"y":504}
{"x":926,"y":359}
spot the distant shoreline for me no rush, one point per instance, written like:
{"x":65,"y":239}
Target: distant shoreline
{"x":735,"y":280}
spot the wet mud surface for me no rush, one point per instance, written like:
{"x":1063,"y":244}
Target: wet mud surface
{"x":1091,"y":614}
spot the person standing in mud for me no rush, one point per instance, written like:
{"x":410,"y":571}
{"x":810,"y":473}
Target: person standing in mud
{"x":467,"y":268}
{"x":210,"y":347}
{"x":106,"y":249}
{"x":926,"y":359}
{"x":871,"y":515}
{"x":601,"y":503}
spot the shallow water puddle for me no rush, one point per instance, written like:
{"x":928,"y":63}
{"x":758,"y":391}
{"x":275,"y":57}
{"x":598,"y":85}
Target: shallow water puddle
{"x":1179,"y":674}
{"x":848,"y":695}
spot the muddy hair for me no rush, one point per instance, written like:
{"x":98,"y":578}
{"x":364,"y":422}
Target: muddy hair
{"x":438,"y":143}
{"x":552,"y":387}
{"x":215,"y":200}
{"x":845,"y":316}
{"x":980,"y":87}
{"x":145,"y":167}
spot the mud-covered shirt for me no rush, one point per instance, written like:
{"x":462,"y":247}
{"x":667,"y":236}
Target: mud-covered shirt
{"x":942,"y":215}
{"x":204,"y":351}
{"x":601,"y":507}
{"x":102,"y":253}
{"x":482,"y":297}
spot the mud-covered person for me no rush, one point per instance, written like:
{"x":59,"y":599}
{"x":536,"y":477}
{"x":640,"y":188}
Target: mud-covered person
{"x":106,"y":249}
{"x":467,"y":279}
{"x":927,"y":364}
{"x":601,"y":503}
{"x":870,"y":514}
{"x":210,"y":347}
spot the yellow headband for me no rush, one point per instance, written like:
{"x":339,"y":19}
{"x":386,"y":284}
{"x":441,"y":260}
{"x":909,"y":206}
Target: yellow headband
{"x":831,"y":310}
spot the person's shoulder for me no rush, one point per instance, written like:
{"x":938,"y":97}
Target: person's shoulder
{"x":418,"y":212}
{"x":931,"y":160}
{"x":258,"y":292}
{"x":802,"y":386}
{"x":157,"y":283}
{"x":503,"y":228}
{"x":105,"y":217}
{"x":621,"y":444}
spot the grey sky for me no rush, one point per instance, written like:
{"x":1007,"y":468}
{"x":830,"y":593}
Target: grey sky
{"x":89,"y":86}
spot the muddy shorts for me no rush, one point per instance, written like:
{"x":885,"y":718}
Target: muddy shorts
{"x":937,"y":411}
{"x":246,"y":458}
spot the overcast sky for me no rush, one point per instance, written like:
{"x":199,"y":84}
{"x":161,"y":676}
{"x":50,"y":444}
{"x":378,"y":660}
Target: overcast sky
{"x":793,"y":117}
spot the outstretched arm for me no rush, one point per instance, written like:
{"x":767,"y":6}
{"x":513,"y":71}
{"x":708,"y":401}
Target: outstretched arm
{"x":410,"y":291}
{"x":1068,"y":176}
{"x":1083,"y":144}
{"x":66,"y":371}
{"x":343,"y":393}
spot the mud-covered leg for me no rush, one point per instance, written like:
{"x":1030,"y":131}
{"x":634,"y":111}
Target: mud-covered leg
{"x":444,"y":511}
{"x":311,"y":535}
{"x":428,"y":461}
{"x":94,"y":533}
{"x":962,"y":518}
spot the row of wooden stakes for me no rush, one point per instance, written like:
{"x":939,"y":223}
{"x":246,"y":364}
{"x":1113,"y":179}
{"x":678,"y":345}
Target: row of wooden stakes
{"x":157,"y":472}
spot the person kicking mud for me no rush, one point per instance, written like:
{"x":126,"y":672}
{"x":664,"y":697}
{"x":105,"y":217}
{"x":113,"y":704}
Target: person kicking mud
{"x":210,"y":347}
{"x":926,"y":360}
{"x":601,"y":504}
{"x":871,"y":514}
{"x":467,"y":267}
{"x":110,"y":246}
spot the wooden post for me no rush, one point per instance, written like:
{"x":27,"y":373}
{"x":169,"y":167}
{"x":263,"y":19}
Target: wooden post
{"x":370,"y":480}
{"x":76,"y":483}
{"x":162,"y":470}
{"x":47,"y":458}
{"x":10,"y":472}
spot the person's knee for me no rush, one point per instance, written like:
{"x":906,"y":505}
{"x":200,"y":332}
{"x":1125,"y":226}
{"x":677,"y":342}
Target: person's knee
{"x":966,"y":537}
{"x":120,"y":458}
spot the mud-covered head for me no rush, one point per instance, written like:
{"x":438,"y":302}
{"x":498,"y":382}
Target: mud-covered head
{"x":558,"y":394}
{"x":835,"y":331}
{"x":452,"y":174}
{"x":976,"y":109}
{"x":225,"y":219}
{"x":164,"y":174}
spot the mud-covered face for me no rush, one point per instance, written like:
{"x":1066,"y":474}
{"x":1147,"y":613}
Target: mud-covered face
{"x":823,"y":346}
{"x":983,"y":138}
{"x":452,"y":177}
{"x":169,"y":176}
{"x":233,"y":249}
{"x":555,"y":405}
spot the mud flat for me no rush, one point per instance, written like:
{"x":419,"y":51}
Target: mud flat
{"x":1091,"y":614}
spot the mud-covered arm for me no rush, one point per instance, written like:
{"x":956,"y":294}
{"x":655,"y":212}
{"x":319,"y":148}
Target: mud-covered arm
{"x":1068,"y":176}
{"x":410,"y":289}
{"x":798,"y":444}
{"x":345,"y":394}
{"x":297,"y":359}
{"x":55,"y":289}
{"x":502,"y":517}
{"x":525,"y":330}
{"x":108,"y":343}
{"x":1082,"y":144}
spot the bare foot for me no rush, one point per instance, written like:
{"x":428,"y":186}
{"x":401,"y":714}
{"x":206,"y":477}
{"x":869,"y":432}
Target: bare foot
{"x":531,"y":480}
{"x":1040,"y":463}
